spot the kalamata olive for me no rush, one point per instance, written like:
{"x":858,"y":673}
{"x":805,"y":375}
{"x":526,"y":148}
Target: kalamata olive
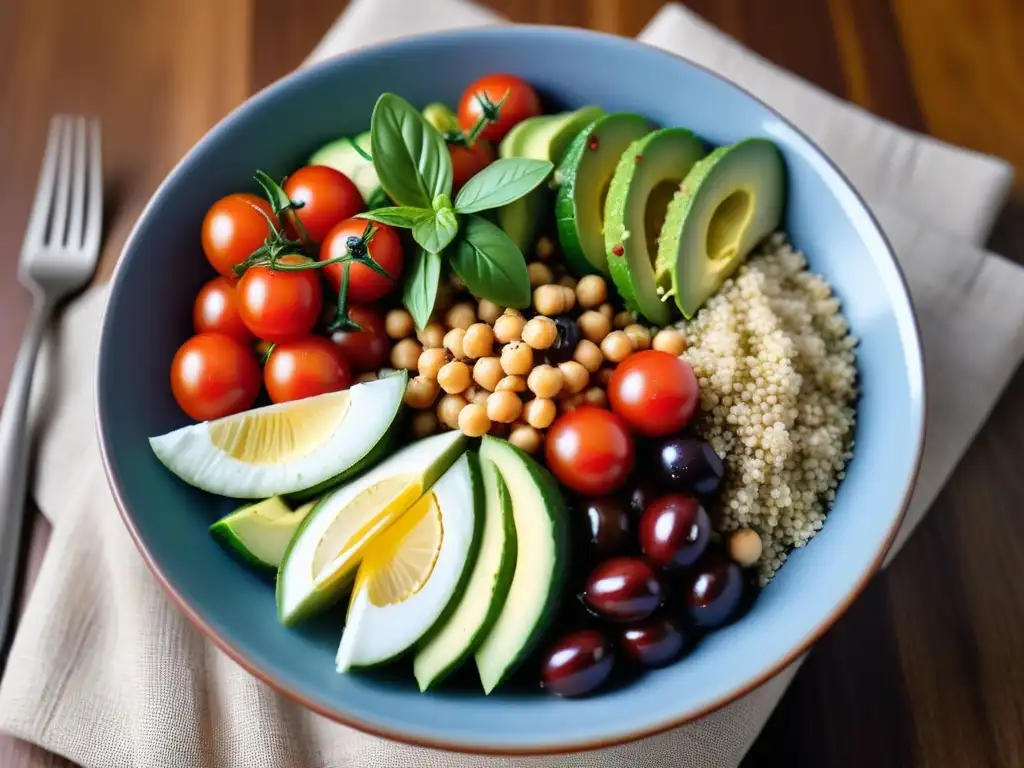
{"x":688,"y":464}
{"x":577,"y":663}
{"x":640,"y":495}
{"x":714,"y":590}
{"x":623,"y":589}
{"x":652,"y":643}
{"x":566,"y":340}
{"x":607,"y":525}
{"x":674,"y":530}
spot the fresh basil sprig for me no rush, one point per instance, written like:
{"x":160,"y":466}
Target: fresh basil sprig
{"x":415,"y":171}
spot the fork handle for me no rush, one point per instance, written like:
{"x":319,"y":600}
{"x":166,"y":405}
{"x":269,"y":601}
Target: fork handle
{"x":14,"y":453}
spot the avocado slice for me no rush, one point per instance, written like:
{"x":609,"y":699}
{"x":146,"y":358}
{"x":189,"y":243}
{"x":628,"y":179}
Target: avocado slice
{"x":442,"y":118}
{"x":260,"y":533}
{"x":342,"y":156}
{"x":322,"y":558}
{"x":645,"y":180}
{"x":584,"y":176}
{"x":728,"y":203}
{"x":542,"y":558}
{"x":485,"y":592}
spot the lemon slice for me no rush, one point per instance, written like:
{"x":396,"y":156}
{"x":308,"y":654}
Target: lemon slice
{"x":287,"y":448}
{"x":413,"y":572}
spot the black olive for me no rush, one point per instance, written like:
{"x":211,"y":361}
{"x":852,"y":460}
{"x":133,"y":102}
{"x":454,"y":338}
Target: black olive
{"x":565,"y":343}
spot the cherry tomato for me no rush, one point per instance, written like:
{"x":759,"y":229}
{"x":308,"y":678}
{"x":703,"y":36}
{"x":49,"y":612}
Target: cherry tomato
{"x":590,"y":450}
{"x":655,"y":392}
{"x":328,"y":196}
{"x":467,"y":162}
{"x":522,"y":102}
{"x":305,"y":368}
{"x":364,"y":285}
{"x":233,"y":228}
{"x":368,"y":349}
{"x":280,"y":305}
{"x":213,"y":375}
{"x":216,"y":310}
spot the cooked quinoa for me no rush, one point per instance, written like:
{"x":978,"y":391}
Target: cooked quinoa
{"x":778,"y":380}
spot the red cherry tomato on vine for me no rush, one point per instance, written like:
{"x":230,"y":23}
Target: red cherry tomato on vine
{"x":328,"y":196}
{"x":655,"y":392}
{"x":364,"y":285}
{"x":305,"y":368}
{"x":280,"y":305}
{"x":233,"y":228}
{"x":590,"y":450}
{"x":213,"y":375}
{"x":368,"y":349}
{"x":522,"y":102}
{"x":216,"y":310}
{"x":467,"y":162}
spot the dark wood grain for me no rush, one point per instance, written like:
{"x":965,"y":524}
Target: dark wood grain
{"x":927,"y":668}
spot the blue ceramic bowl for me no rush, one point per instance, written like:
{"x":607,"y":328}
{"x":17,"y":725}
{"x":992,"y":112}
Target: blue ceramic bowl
{"x":149,"y":316}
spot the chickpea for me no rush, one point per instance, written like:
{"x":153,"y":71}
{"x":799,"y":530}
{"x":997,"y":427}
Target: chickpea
{"x":516,"y":358}
{"x":488,"y":311}
{"x":594,"y":326}
{"x":568,"y":281}
{"x":431,"y":361}
{"x":473,"y":420}
{"x":623,"y":319}
{"x":617,"y":346}
{"x":607,"y":310}
{"x":588,"y":354}
{"x":745,"y":547}
{"x":540,"y":274}
{"x":398,"y":324}
{"x":551,"y":300}
{"x":540,"y":332}
{"x":539,"y":412}
{"x":525,"y":438}
{"x":509,"y":327}
{"x":545,"y":381}
{"x":476,"y":394}
{"x":366,"y":378}
{"x":421,"y":392}
{"x":478,"y":341}
{"x":570,"y":403}
{"x":453,"y":342}
{"x":511,"y":384}
{"x":670,"y":340}
{"x":569,"y":297}
{"x":639,"y":336}
{"x":574,"y":377}
{"x":461,"y":315}
{"x":604,"y":376}
{"x":448,"y":409}
{"x":432,"y":336}
{"x":545,"y":248}
{"x":424,"y":424}
{"x":487,"y":373}
{"x":406,"y":354}
{"x":596,"y":396}
{"x":454,"y":377}
{"x":504,"y":407}
{"x":591,"y":291}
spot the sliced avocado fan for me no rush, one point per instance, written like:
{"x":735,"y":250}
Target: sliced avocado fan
{"x":646,"y":178}
{"x":728,"y":203}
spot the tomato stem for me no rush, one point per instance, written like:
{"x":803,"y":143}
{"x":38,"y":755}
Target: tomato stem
{"x":489,"y":113}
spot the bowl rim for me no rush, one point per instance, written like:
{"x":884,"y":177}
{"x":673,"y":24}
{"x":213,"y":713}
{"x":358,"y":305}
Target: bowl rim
{"x":476,"y":747}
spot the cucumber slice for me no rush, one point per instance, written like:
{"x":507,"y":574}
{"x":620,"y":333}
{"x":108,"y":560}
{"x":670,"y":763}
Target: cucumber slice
{"x":260,"y":533}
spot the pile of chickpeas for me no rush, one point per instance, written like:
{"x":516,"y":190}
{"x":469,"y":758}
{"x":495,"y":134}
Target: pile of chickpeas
{"x":487,"y":370}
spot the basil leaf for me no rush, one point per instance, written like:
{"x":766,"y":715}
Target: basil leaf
{"x":435,"y":230}
{"x":490,"y":264}
{"x":500,"y":183}
{"x":421,"y":283}
{"x":398,"y":216}
{"x":409,"y":154}
{"x":378,"y":199}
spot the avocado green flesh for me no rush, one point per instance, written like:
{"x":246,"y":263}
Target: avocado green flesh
{"x":585,"y":175}
{"x":647,"y":176}
{"x":485,"y":592}
{"x":542,"y":556}
{"x":728,"y":203}
{"x":342,"y":156}
{"x":260,"y":533}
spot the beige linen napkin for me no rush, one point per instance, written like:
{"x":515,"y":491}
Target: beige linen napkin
{"x":103,"y":669}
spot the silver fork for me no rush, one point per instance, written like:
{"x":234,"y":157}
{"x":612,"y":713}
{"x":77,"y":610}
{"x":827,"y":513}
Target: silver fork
{"x":58,"y":258}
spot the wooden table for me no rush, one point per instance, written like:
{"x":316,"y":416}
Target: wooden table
{"x":927,"y":669}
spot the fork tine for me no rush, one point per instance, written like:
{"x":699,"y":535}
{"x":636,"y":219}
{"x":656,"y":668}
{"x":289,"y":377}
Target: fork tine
{"x":36,"y":230}
{"x":94,"y":213}
{"x":74,"y":236}
{"x":60,"y":205}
